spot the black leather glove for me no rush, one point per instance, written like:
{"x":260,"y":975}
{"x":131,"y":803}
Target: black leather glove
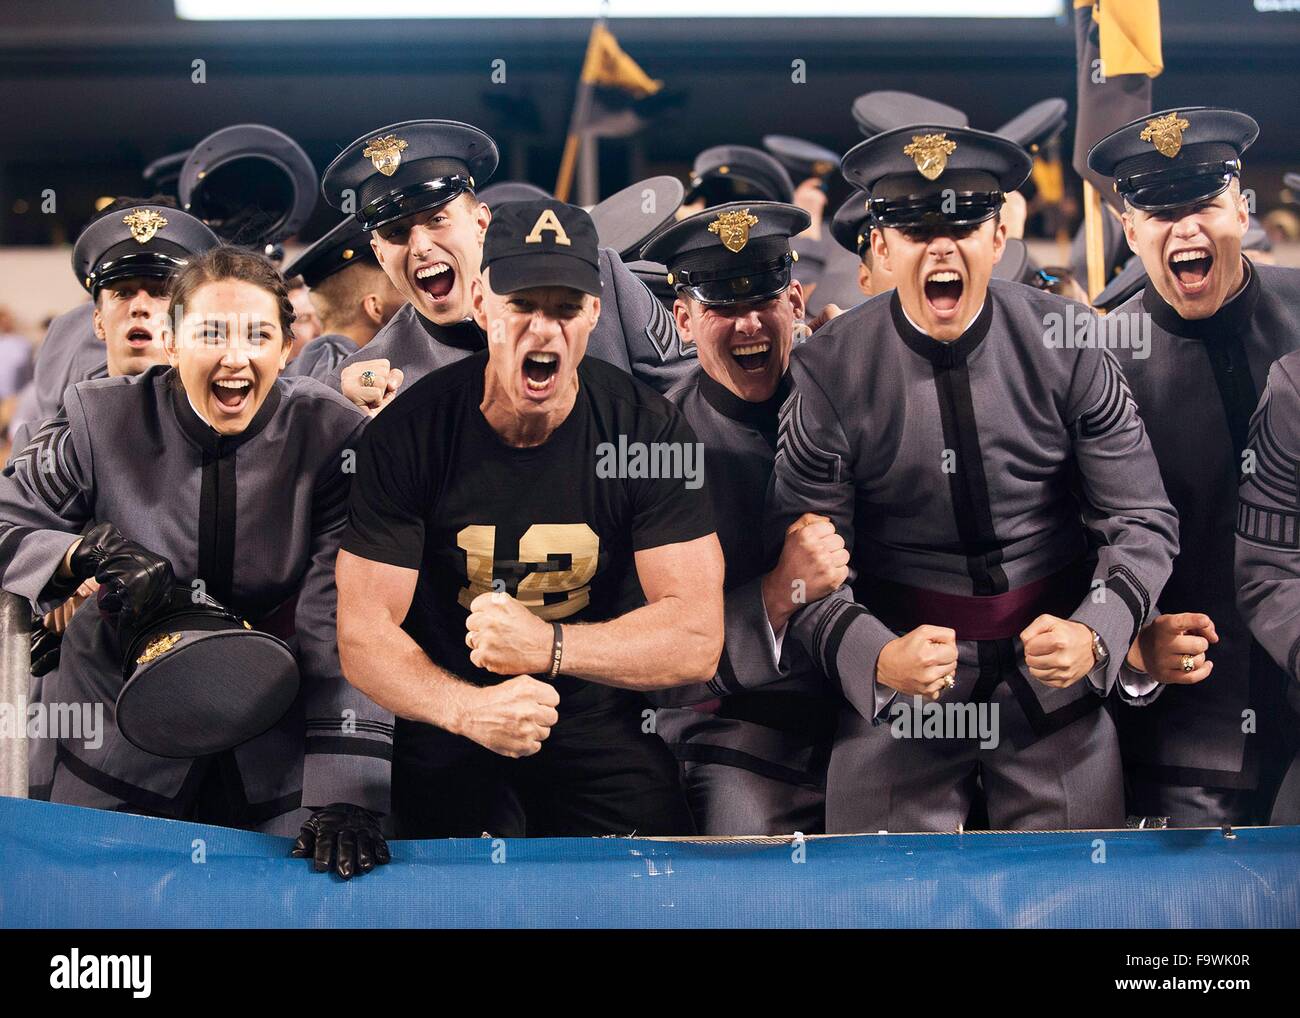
{"x":45,"y":648}
{"x":343,"y":837}
{"x":133,"y":581}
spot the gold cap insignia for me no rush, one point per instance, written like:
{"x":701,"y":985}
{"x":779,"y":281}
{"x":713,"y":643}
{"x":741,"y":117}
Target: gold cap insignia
{"x":822,"y":167}
{"x":930,"y":152}
{"x":385,"y":153}
{"x":732,"y":228}
{"x":158,"y":646}
{"x":347,"y":254}
{"x":1165,"y":133}
{"x":144,"y":223}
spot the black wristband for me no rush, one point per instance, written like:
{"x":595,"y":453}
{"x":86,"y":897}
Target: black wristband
{"x":557,"y":650}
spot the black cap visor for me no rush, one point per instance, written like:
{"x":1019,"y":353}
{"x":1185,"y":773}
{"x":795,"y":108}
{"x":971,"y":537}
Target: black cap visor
{"x":720,"y":189}
{"x":1165,"y":189}
{"x":755,"y":282}
{"x":407,"y":201}
{"x":141,"y":264}
{"x":961,"y":209}
{"x":527,"y":271}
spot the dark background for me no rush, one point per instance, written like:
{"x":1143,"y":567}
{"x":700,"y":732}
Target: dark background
{"x":90,"y":92}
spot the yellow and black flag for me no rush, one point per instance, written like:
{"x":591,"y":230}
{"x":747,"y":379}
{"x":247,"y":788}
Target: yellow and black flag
{"x":605,"y":66}
{"x":1117,"y":46}
{"x":1117,"y":43}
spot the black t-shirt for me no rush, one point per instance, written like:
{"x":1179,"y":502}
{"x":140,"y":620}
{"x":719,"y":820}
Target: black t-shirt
{"x":437,"y":490}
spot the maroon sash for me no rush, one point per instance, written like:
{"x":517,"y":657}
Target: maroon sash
{"x":990,"y":617}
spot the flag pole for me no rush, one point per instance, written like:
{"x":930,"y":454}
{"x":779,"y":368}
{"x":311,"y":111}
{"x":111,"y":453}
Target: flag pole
{"x":581,"y":111}
{"x":1094,"y":233}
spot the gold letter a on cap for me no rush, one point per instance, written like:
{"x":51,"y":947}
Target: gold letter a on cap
{"x":547,"y":221}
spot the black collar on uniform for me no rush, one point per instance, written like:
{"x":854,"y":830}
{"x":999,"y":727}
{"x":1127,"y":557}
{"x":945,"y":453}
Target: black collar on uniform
{"x":1231,"y":319}
{"x":203,"y":434}
{"x":935,"y":351}
{"x":761,"y":416}
{"x":464,"y":335}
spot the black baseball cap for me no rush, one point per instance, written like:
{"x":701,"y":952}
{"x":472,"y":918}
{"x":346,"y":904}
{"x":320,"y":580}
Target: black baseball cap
{"x":541,"y":243}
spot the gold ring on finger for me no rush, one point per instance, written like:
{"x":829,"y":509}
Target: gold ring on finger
{"x":1189,"y":663}
{"x":368,"y":379}
{"x":949,"y":680}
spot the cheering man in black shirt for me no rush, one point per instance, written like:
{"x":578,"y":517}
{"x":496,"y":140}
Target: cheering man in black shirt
{"x":530,"y":547}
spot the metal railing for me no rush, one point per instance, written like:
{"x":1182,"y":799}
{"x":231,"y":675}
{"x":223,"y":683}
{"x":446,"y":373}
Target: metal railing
{"x":15,"y":680}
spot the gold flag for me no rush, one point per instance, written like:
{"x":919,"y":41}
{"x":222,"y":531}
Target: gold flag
{"x":607,"y":65}
{"x":1049,"y":179}
{"x":1129,"y":36}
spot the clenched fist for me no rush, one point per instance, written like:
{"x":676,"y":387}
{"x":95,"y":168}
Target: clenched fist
{"x":828,"y":313}
{"x":1058,"y":652}
{"x":512,"y":718}
{"x":814,"y":562}
{"x":505,"y":637}
{"x":1161,"y":646}
{"x":387,"y":380}
{"x":919,"y":663}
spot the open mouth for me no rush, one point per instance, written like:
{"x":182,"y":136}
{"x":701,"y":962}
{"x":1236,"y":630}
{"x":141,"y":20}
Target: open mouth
{"x":139,"y":338}
{"x":539,"y":372}
{"x":232,"y":394}
{"x":943,"y":290}
{"x":752,"y":356}
{"x":1191,"y":268}
{"x":436,"y":280}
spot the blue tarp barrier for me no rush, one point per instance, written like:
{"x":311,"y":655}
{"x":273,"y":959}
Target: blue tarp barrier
{"x":69,"y":867}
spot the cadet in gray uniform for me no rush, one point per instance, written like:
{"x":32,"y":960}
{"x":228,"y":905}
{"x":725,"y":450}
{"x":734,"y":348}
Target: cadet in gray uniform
{"x":1002,"y":505}
{"x":828,"y":274}
{"x":126,"y":259}
{"x":851,"y":227}
{"x":1268,"y":569}
{"x":754,"y":752}
{"x":237,"y":479}
{"x":412,"y":186}
{"x":70,"y":353}
{"x":1216,"y":324}
{"x":350,"y":293}
{"x":76,"y":346}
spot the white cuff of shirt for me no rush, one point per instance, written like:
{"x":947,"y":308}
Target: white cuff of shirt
{"x":1140,"y":684}
{"x":778,"y":638}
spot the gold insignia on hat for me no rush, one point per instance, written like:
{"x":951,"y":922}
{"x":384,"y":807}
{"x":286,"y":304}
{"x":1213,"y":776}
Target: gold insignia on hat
{"x":548,"y":220}
{"x":144,"y":223}
{"x":385,"y":153}
{"x":732,"y":229}
{"x":930,"y":152}
{"x":347,"y":254}
{"x":158,"y":646}
{"x":822,"y":167}
{"x":1165,"y":133}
